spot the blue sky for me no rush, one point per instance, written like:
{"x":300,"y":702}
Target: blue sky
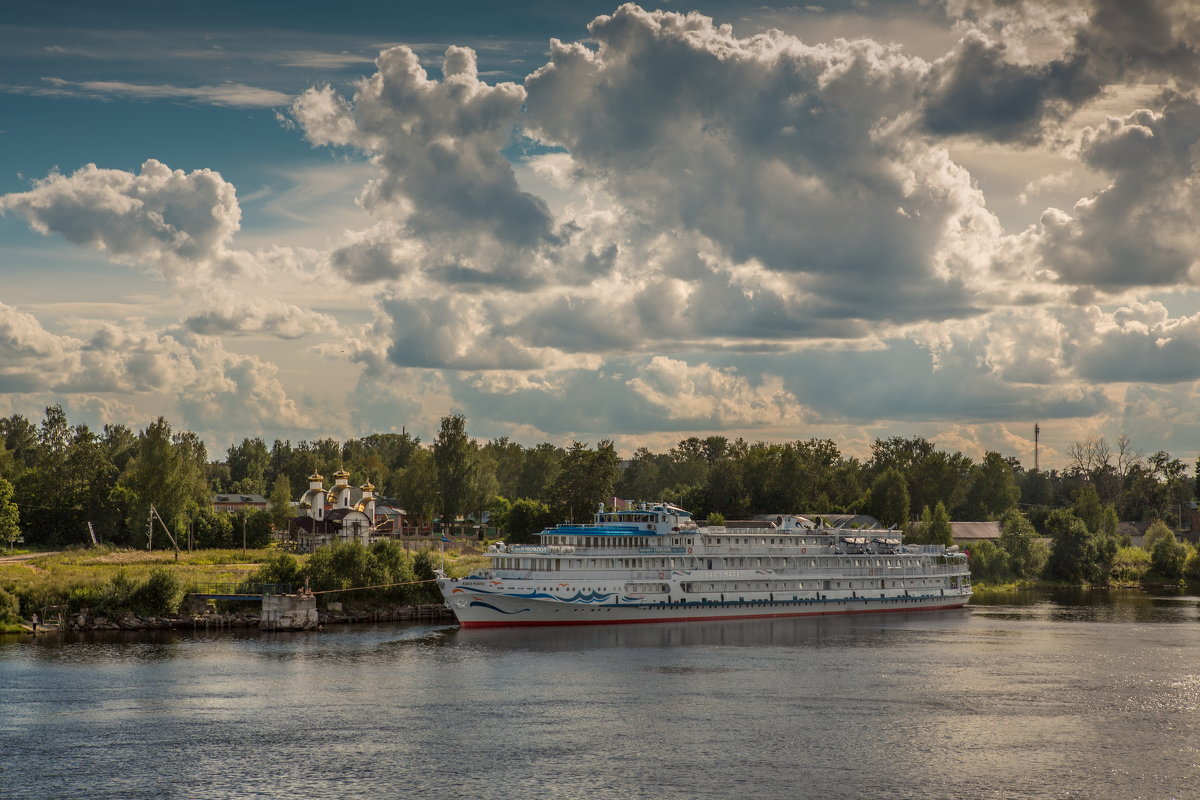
{"x":586,"y":220}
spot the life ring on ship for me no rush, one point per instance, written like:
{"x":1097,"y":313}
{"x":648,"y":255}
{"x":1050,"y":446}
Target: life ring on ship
{"x":689,"y":550}
{"x":803,"y":550}
{"x":662,"y":574}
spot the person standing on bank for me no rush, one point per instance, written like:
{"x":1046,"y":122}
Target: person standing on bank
{"x":34,"y":620}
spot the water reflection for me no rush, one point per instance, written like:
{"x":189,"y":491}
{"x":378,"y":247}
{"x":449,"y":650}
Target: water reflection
{"x":814,"y":632}
{"x":1038,"y":695}
{"x":1088,"y":605}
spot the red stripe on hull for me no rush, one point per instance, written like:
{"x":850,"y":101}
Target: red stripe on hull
{"x":517,"y":624}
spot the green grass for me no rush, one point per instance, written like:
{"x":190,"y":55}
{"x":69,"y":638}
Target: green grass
{"x":52,"y":579}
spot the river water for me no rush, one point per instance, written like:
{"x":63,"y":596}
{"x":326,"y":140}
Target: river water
{"x":1035,"y":696}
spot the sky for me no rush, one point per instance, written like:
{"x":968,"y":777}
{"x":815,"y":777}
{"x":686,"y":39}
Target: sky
{"x":953,"y":219}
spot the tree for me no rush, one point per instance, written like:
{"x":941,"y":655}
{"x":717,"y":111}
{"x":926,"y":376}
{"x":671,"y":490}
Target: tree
{"x":1168,"y":556}
{"x":1088,"y":508}
{"x":168,"y":472}
{"x":248,"y":463}
{"x":1077,"y":555}
{"x":988,"y":561}
{"x":888,"y":500}
{"x":416,"y":486}
{"x":1157,"y":530}
{"x":940,"y":530}
{"x":213,"y":529}
{"x":1027,"y":553}
{"x":585,"y":479}
{"x":993,"y":488}
{"x":9,"y":515}
{"x":280,"y":507}
{"x":454,"y":458}
{"x":524,"y":518}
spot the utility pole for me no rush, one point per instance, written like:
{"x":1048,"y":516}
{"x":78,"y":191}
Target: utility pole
{"x":243,"y":534}
{"x":1037,"y":431}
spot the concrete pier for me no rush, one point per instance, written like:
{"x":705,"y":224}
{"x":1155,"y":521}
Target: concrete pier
{"x":288,"y":612}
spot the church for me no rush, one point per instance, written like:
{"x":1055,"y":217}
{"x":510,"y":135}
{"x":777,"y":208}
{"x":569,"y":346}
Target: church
{"x":339,"y":514}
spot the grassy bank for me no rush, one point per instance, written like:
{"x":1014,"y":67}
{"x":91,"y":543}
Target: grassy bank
{"x":109,"y":580}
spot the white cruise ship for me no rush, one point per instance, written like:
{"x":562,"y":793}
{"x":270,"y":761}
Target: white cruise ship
{"x":654,"y":564}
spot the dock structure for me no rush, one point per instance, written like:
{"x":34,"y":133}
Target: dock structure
{"x":289,"y":612}
{"x":283,"y":609}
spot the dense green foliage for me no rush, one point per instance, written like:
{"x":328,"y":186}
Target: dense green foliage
{"x":1078,"y":555}
{"x":65,"y":478}
{"x":1130,"y":565}
{"x":1027,"y":553}
{"x":9,"y":515}
{"x":10,"y":608}
{"x":395,"y":574}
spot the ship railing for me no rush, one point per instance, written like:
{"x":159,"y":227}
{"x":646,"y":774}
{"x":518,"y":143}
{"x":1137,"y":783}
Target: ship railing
{"x":755,"y":572}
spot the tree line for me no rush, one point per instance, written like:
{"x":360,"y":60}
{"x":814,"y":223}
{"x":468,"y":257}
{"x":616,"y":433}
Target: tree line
{"x":60,"y":478}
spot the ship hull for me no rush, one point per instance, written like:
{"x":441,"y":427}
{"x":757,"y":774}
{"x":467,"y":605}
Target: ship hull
{"x":480,"y":608}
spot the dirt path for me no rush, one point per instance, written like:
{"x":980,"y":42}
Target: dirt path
{"x":24,"y":557}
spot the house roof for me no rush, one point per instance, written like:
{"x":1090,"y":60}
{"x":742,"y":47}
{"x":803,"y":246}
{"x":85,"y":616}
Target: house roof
{"x":339,"y":514}
{"x":240,"y":498}
{"x":975,"y":531}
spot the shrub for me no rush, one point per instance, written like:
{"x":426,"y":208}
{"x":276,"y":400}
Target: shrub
{"x":280,"y":569}
{"x":423,"y":567}
{"x":988,"y":561}
{"x":1167,"y":557}
{"x":10,"y":608}
{"x":115,"y":596}
{"x":1191,"y":565}
{"x":1156,"y":532}
{"x":161,"y":594}
{"x":1130,"y":565}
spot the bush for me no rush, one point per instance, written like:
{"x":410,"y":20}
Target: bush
{"x":1156,"y":532}
{"x":161,"y":595}
{"x":1167,"y":557}
{"x":10,"y":608}
{"x":1191,"y":565}
{"x":114,"y":597}
{"x":988,"y":562}
{"x":1130,"y":565}
{"x":423,"y":567}
{"x":282,"y":569}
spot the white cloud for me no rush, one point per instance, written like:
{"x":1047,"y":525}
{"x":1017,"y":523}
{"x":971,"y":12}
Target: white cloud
{"x":717,"y":396}
{"x":232,"y":95}
{"x":1142,"y":229}
{"x":436,"y":147}
{"x":169,"y":219}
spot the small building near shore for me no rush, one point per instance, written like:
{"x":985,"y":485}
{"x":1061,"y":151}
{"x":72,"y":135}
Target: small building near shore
{"x":968,"y":533}
{"x":232,"y":503}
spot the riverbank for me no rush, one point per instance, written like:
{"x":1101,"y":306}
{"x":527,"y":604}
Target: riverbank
{"x":108,"y":589}
{"x":84,"y":622}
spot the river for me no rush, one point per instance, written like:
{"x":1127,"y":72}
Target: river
{"x":1030,"y":696}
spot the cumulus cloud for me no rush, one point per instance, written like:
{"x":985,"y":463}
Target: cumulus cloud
{"x":166,"y":218}
{"x":1142,"y":229}
{"x":718,"y":397}
{"x":791,"y":160}
{"x":246,"y":315}
{"x":992,"y":85}
{"x":31,"y":358}
{"x":133,"y":360}
{"x":1142,"y":343}
{"x":436,"y":146}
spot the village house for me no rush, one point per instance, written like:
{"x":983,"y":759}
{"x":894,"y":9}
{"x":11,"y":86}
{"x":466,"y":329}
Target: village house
{"x":233,"y":503}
